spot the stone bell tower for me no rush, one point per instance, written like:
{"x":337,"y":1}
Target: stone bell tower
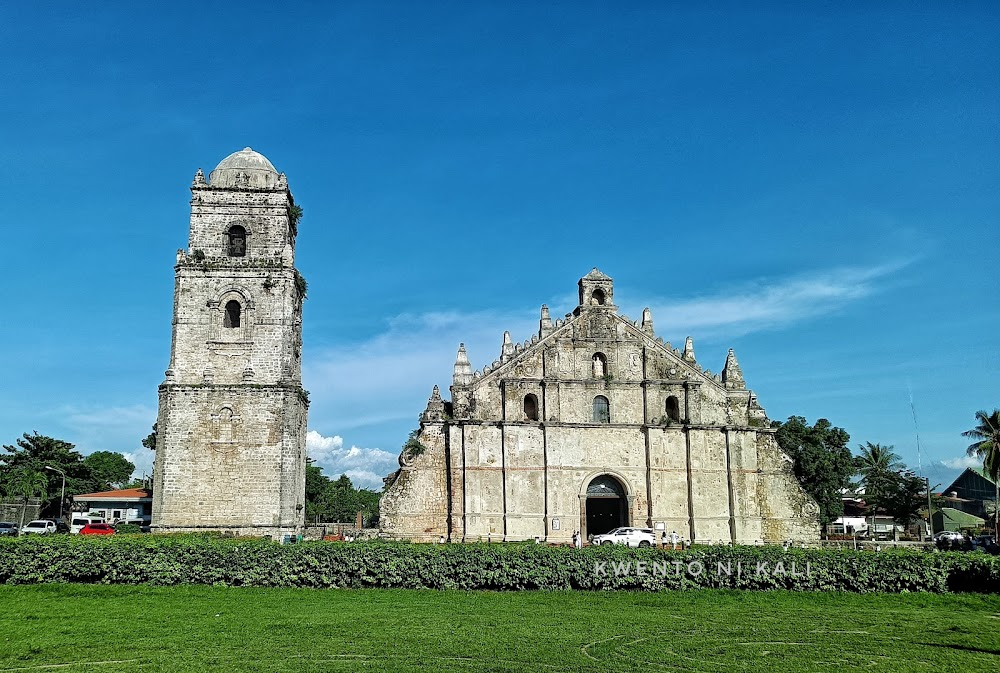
{"x":230,"y":449}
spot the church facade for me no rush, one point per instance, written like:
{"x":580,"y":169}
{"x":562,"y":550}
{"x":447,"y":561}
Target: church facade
{"x":230,"y":448}
{"x":595,"y":423}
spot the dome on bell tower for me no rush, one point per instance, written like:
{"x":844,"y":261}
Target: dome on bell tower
{"x":245,"y":168}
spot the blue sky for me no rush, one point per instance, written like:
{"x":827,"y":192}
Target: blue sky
{"x":814,"y":185}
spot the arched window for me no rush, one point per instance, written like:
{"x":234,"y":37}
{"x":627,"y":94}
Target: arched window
{"x":673,"y":408}
{"x":232,"y":317}
{"x":597,"y":297}
{"x":530,"y":407}
{"x":236,"y":241}
{"x":600,"y":365}
{"x":602,"y":410}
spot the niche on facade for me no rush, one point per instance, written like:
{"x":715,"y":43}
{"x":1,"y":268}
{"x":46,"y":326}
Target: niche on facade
{"x":530,"y":407}
{"x":225,"y":430}
{"x":673,"y":409}
{"x":601,"y":410}
{"x":600,"y":365}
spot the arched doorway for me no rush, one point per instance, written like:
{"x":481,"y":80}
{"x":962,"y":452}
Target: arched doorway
{"x":605,"y":505}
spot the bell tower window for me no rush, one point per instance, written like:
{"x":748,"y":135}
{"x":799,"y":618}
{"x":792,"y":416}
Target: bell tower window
{"x":236,"y":241}
{"x":597,"y":298}
{"x":232,"y":317}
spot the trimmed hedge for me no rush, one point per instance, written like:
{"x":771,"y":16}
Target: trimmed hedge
{"x":194,"y":559}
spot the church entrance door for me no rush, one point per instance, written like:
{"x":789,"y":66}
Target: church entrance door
{"x":606,"y":505}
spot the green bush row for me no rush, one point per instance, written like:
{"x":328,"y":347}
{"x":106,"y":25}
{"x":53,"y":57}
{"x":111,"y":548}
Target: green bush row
{"x":169,"y":560}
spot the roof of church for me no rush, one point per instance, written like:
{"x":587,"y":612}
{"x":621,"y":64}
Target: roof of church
{"x":597,"y":275}
{"x":258,"y":171}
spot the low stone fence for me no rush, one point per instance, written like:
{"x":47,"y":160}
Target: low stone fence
{"x":319,"y":531}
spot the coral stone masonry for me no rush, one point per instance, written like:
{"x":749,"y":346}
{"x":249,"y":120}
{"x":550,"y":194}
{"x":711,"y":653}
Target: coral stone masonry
{"x":230,"y":450}
{"x":591,"y":424}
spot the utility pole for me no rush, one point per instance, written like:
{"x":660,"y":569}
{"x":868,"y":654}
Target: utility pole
{"x":930,"y":515}
{"x":62,"y":494}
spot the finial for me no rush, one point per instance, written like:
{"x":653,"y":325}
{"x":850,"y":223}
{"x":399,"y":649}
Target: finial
{"x":199,"y":178}
{"x":545,"y":322}
{"x":732,"y":375}
{"x":435,"y":407}
{"x":463,"y":369}
{"x":508,"y":347}
{"x":647,"y":320}
{"x":688,"y":352}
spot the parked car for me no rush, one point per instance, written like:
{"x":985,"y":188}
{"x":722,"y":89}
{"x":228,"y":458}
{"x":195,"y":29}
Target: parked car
{"x":8,"y":529}
{"x":630,"y":537}
{"x":948,"y":535}
{"x":98,"y":529}
{"x":78,"y":522}
{"x":61,"y":526}
{"x":39,"y":527}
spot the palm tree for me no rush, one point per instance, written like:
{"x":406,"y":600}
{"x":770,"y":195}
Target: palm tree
{"x":878,"y":467}
{"x":29,"y":483}
{"x":987,"y":448}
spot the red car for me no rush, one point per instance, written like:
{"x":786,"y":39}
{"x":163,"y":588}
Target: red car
{"x":98,"y":529}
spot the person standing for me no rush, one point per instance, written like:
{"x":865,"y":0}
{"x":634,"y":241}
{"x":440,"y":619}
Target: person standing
{"x":673,"y":539}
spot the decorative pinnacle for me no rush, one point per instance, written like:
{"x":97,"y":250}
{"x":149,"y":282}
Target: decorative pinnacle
{"x":463,"y":369}
{"x":508,"y":347}
{"x":732,"y":375}
{"x":647,"y":320}
{"x":545,"y":322}
{"x":688,"y":352}
{"x":199,"y":177}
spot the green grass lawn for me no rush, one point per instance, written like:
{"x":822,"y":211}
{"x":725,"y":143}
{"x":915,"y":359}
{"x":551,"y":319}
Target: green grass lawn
{"x":196,"y":628}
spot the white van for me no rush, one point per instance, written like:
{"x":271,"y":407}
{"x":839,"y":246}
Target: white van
{"x":79,"y":522}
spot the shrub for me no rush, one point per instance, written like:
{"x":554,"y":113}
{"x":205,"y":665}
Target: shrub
{"x":203,"y":559}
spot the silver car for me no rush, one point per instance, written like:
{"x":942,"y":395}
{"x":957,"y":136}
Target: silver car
{"x":630,"y":537}
{"x":39,"y":527}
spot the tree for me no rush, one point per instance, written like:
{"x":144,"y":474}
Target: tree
{"x":338,"y":500}
{"x":879,"y":467}
{"x":150,"y":441}
{"x":906,"y":498}
{"x":822,"y":462}
{"x":27,"y":483}
{"x":109,"y":469}
{"x":316,"y":484}
{"x":987,"y":448}
{"x":34,"y":452}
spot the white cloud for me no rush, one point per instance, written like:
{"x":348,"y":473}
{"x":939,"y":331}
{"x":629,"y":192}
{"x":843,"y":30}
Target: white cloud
{"x":963,"y":462}
{"x":769,"y":303}
{"x":365,"y":467}
{"x":382,"y":384}
{"x":120,"y":428}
